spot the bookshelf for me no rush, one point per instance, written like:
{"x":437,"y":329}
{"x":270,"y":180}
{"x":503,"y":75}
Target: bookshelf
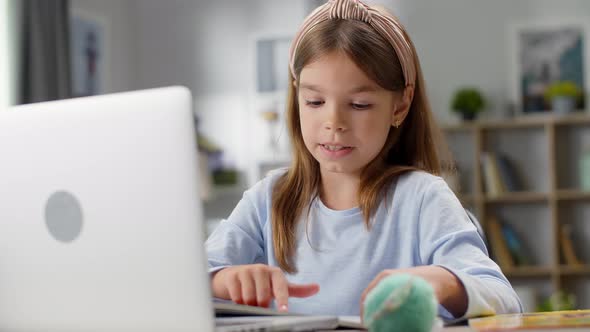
{"x":545,"y":152}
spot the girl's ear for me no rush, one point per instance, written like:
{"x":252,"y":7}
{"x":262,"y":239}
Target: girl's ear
{"x":401,"y":107}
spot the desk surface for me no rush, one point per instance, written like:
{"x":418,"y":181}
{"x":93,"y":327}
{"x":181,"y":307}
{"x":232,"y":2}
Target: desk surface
{"x":468,"y":329}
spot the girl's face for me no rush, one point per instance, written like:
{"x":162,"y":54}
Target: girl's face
{"x":345,"y":116}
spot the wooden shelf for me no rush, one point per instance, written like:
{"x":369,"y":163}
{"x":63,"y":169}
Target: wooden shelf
{"x":581,"y":118}
{"x":535,"y":144}
{"x":517,"y":123}
{"x":528,"y":271}
{"x":573,"y":270}
{"x":458,"y":127}
{"x":518,"y":197}
{"x":572,"y":195}
{"x":529,"y":121}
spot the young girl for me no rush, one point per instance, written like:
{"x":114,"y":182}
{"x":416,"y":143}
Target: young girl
{"x":362,"y":199}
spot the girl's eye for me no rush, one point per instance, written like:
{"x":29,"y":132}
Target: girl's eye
{"x":358,"y":106}
{"x":314,"y":103}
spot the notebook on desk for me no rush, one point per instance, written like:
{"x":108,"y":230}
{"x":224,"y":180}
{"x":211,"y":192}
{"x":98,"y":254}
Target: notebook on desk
{"x":224,"y":309}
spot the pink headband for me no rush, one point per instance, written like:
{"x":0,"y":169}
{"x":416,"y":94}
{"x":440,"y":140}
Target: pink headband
{"x":385,"y":25}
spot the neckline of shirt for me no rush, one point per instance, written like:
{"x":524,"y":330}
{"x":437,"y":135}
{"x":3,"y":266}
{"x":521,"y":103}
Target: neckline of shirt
{"x":337,"y":213}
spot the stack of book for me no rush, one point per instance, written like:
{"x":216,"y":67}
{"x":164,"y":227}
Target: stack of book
{"x":568,"y":253}
{"x":499,"y":174}
{"x":509,"y":250}
{"x":506,"y":245}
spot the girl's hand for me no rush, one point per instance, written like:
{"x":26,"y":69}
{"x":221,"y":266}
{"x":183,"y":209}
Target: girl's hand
{"x":448,"y":289}
{"x":257,"y":285}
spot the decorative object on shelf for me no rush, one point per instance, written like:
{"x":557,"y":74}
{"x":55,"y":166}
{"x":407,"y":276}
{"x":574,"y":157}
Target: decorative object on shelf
{"x":563,"y":96}
{"x":271,"y":116}
{"x":213,"y":169}
{"x":543,"y":53}
{"x":225,"y":176}
{"x":468,"y":102}
{"x":585,"y":169}
{"x":558,"y":301}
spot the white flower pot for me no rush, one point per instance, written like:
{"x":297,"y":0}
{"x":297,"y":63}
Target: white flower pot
{"x":563,"y":105}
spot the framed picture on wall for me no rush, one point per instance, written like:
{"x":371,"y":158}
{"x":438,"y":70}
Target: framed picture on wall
{"x":544,"y":53}
{"x":88,"y":43}
{"x":272,"y":63}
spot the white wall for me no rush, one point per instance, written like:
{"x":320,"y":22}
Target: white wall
{"x":207,"y":46}
{"x":120,"y":17}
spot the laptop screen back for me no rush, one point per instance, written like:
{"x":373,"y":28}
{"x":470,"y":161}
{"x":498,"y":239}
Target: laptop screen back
{"x":100,"y":217}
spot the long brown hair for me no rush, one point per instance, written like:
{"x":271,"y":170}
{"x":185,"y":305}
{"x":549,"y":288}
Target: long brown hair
{"x":409,"y":147}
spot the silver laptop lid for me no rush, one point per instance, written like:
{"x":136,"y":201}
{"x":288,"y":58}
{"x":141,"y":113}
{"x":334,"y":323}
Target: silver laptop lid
{"x":100,"y":219}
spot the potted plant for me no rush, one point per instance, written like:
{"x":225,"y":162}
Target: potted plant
{"x":563,"y":96}
{"x":468,"y":102}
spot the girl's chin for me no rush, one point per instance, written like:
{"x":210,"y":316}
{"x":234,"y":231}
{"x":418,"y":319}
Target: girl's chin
{"x":336,"y":168}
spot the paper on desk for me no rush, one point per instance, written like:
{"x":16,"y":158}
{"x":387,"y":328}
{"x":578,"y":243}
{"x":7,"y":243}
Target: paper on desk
{"x":350,"y":322}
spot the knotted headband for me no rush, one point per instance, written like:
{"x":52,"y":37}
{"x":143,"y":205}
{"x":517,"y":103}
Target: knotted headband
{"x":382,"y":22}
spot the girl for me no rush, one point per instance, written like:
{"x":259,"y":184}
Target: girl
{"x":361,"y":199}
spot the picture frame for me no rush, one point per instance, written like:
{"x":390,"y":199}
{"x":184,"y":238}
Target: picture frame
{"x":272,"y":63}
{"x":545,"y":52}
{"x":89,"y":40}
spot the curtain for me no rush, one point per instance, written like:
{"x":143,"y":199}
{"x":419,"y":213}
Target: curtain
{"x":4,"y":55}
{"x":45,"y":67}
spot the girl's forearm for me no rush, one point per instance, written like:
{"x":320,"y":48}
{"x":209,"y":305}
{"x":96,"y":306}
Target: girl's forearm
{"x":451,"y":293}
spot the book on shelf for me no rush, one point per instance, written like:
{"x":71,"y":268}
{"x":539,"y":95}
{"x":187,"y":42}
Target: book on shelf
{"x":499,"y":248}
{"x":508,"y":173}
{"x":567,"y":247}
{"x":499,"y":174}
{"x":507,"y":245}
{"x":491,"y":176}
{"x":515,"y":245}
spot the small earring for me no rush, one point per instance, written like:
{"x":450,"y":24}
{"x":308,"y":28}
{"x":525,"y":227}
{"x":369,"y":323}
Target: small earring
{"x":397,"y":123}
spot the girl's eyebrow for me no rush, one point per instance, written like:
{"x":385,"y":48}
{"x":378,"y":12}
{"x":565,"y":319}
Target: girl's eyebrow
{"x":358,"y":89}
{"x":311,"y":87}
{"x":364,"y":88}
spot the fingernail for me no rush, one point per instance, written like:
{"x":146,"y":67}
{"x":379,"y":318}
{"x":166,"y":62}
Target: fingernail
{"x":284,"y":308}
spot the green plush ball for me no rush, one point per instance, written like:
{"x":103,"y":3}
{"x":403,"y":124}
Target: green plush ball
{"x":400,"y":302}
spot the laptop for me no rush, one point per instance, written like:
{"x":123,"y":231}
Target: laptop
{"x":101,"y":225}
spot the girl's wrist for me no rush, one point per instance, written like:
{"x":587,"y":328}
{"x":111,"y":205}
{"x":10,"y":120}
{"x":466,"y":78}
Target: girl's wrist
{"x":451,"y":292}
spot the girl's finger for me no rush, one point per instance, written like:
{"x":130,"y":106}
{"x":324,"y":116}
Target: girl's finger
{"x":248,"y":288}
{"x":263,"y":287}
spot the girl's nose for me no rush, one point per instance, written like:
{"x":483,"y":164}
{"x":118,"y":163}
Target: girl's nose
{"x":335,"y":121}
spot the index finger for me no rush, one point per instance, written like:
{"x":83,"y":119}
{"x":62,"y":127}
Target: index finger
{"x":280,"y":290}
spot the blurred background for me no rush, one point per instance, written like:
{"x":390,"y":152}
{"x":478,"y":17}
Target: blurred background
{"x":507,"y":82}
